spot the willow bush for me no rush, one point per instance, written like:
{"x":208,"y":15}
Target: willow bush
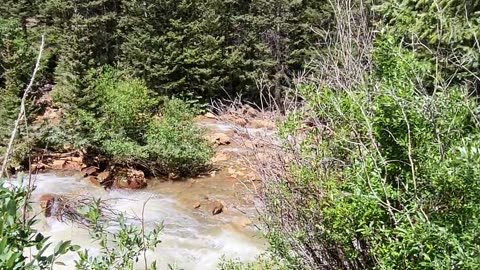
{"x":387,"y":178}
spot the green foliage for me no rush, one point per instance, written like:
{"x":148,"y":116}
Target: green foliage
{"x":263,"y":262}
{"x":393,"y":183}
{"x":17,"y":59}
{"x":175,"y":143}
{"x":442,"y":32}
{"x":83,"y":36}
{"x":17,"y":233}
{"x":127,"y":124}
{"x":120,"y":247}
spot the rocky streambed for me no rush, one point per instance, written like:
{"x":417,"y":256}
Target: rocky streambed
{"x":204,"y":218}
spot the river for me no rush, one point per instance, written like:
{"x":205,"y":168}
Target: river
{"x":192,"y":237}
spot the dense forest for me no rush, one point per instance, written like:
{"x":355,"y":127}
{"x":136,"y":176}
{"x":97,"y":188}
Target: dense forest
{"x":376,"y":103}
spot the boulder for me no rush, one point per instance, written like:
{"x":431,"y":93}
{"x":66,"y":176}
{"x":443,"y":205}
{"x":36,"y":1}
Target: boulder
{"x":47,"y":202}
{"x":92,"y":170}
{"x":102,"y":179}
{"x":217,"y":207}
{"x":220,"y":139}
{"x":131,"y":179}
{"x":94,"y":181}
{"x":58,"y":164}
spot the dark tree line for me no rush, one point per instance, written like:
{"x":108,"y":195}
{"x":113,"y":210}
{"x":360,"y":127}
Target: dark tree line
{"x":187,"y":48}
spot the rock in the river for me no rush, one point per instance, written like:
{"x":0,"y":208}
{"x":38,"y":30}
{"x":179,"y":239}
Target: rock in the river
{"x":220,"y":139}
{"x":46,"y":203}
{"x":90,"y":170}
{"x":131,"y":179}
{"x":217,"y":207}
{"x":58,"y":164}
{"x":102,"y":179}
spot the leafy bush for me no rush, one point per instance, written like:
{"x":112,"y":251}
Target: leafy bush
{"x":121,"y":247}
{"x":17,"y":234}
{"x":386,"y":179}
{"x":263,"y":262}
{"x":174,"y":142}
{"x":124,"y":122}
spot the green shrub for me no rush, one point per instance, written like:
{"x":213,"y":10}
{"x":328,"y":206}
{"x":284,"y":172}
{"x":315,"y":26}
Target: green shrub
{"x":175,"y":144}
{"x":388,"y":179}
{"x":263,"y":262}
{"x":17,"y":233}
{"x":119,"y":249}
{"x":123,"y":121}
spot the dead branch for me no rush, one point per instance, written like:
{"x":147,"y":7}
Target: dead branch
{"x":21,"y":114}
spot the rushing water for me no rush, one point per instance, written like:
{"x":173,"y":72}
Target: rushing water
{"x":191,"y":239}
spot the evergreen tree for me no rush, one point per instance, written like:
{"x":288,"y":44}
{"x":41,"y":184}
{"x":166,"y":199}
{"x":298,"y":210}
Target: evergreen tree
{"x":86,"y":40}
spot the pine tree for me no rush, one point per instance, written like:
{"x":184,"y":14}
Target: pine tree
{"x":86,"y":40}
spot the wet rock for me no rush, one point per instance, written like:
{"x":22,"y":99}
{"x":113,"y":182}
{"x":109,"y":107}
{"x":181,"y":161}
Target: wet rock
{"x":258,"y":123}
{"x":104,"y":178}
{"x":240,"y":122}
{"x":220,"y":139}
{"x":92,"y":170}
{"x":58,"y":164}
{"x":131,"y":179}
{"x":47,"y":202}
{"x":210,"y":115}
{"x":94,"y":181}
{"x":217,"y":207}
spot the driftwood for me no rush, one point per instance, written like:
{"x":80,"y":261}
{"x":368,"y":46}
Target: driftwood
{"x":74,"y":209}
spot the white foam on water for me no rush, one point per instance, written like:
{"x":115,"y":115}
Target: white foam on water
{"x":190,"y":240}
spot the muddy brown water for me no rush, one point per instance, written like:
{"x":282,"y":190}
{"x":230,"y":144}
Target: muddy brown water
{"x":192,"y":237}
